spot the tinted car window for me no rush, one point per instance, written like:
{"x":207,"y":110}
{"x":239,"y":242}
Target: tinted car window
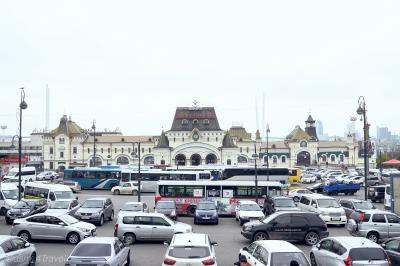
{"x":282,"y":220}
{"x":305,"y":201}
{"x":160,"y":221}
{"x":367,"y":254}
{"x":145,"y":220}
{"x":258,"y":254}
{"x":326,"y":244}
{"x":297,"y":220}
{"x":392,"y":218}
{"x":92,"y":250}
{"x":189,"y":252}
{"x":287,"y":257}
{"x":378,"y":218}
{"x":37,"y":219}
{"x":18,"y":243}
{"x":338,"y":249}
{"x":393,"y":245}
{"x":251,"y":248}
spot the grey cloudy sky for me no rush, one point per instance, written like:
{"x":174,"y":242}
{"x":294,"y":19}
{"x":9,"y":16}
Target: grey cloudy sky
{"x":128,"y":64}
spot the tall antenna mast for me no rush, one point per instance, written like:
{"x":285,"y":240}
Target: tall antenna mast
{"x":47,"y":109}
{"x":263,"y":115}
{"x":257,"y":125}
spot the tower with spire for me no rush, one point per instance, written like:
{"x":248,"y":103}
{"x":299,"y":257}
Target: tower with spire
{"x":310,"y":128}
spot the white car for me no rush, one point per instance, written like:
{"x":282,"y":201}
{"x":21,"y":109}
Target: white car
{"x":247,"y":210}
{"x":16,"y":252}
{"x":192,"y":249}
{"x":271,"y":253}
{"x":130,"y":188}
{"x":47,"y":175}
{"x":355,"y":180}
{"x":296,"y":194}
{"x":63,"y":206}
{"x":309,"y":179}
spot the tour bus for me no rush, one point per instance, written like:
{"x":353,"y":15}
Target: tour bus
{"x":27,"y":173}
{"x":294,"y":175}
{"x":51,"y":192}
{"x":225,"y":194}
{"x":8,"y":197}
{"x":94,"y":177}
{"x":150,"y":177}
{"x":263,"y":174}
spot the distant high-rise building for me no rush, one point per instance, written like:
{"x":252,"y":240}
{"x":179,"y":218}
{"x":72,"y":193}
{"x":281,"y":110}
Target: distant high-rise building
{"x":383,"y":133}
{"x":320,"y":129}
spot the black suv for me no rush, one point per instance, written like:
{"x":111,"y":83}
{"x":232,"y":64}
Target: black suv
{"x":289,"y":226}
{"x":25,"y":208}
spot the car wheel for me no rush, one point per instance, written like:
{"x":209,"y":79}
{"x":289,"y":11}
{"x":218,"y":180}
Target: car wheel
{"x":9,"y":221}
{"x":129,"y":239}
{"x":32,"y":261}
{"x":111,"y":216}
{"x":260,"y":236}
{"x":295,"y":198}
{"x":3,"y":211}
{"x":25,"y":235}
{"x":373,"y":236}
{"x":101,"y":222}
{"x":73,"y":238}
{"x":313,"y":260}
{"x":311,"y":238}
{"x":128,"y":259}
{"x":134,"y":192}
{"x":116,"y":192}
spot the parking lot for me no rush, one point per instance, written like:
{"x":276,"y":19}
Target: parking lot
{"x":227,"y":234}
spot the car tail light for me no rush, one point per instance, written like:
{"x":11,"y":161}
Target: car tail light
{"x":169,"y":261}
{"x":348,"y":261}
{"x":210,"y":261}
{"x":362,"y":217}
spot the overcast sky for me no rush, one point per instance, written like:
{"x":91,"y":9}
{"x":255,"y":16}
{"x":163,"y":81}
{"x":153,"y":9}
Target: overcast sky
{"x":129,"y":65}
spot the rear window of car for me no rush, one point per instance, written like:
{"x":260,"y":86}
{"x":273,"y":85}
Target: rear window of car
{"x":189,"y":252}
{"x":357,"y":216}
{"x":92,"y":250}
{"x":285,"y":258}
{"x":357,"y":254}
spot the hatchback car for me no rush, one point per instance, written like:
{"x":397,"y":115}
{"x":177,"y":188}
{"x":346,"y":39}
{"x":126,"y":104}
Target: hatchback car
{"x":108,"y":251}
{"x":345,"y":250}
{"x":190,"y":249}
{"x":67,"y":206}
{"x":129,"y":188}
{"x":248,"y":210}
{"x":392,"y":248}
{"x":279,"y":203}
{"x":350,"y":205}
{"x":132,"y":206}
{"x":52,"y":227}
{"x":206,"y":212}
{"x":25,"y":208}
{"x":147,"y":226}
{"x":167,"y":207}
{"x":16,"y":252}
{"x":271,"y":253}
{"x":287,"y":225}
{"x":297,"y":193}
{"x":96,"y":210}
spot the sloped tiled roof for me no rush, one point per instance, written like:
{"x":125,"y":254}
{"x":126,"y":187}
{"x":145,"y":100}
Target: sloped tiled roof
{"x":227,"y":142}
{"x":67,"y":127}
{"x":275,"y":144}
{"x":189,"y":118}
{"x":310,"y":119}
{"x":298,"y":134}
{"x":119,"y":139}
{"x":240,"y":133}
{"x":163,"y":142}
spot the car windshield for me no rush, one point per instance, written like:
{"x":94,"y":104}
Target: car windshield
{"x":206,"y":206}
{"x":165,"y":205}
{"x":132,"y":207}
{"x":363,"y":205}
{"x":286,"y":258}
{"x":64,"y":194}
{"x":59,"y":205}
{"x":93,"y":204}
{"x":328,"y":203}
{"x":284,"y":203}
{"x":69,"y":219}
{"x":367,"y":254}
{"x":250,"y":207}
{"x":22,"y":205}
{"x":92,"y":250}
{"x":189,"y":252}
{"x":11,"y":194}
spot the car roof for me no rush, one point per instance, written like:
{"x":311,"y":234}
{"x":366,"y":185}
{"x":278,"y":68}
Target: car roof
{"x":151,"y":214}
{"x":377,"y":211}
{"x":351,"y":241}
{"x":281,"y":197}
{"x":354,"y":200}
{"x":247,"y":202}
{"x":97,"y":198}
{"x":317,"y":196}
{"x":278,"y":246}
{"x":99,"y":240}
{"x":190,"y":239}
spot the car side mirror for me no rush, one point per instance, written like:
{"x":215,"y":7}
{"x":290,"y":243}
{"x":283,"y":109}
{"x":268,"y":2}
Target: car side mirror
{"x":314,"y":205}
{"x":318,"y":246}
{"x":383,"y":245}
{"x":167,"y":243}
{"x":27,"y":244}
{"x":214,"y":243}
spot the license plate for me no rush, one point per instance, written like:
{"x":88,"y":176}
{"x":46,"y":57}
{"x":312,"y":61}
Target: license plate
{"x":85,"y":218}
{"x":335,"y":219}
{"x":206,"y":218}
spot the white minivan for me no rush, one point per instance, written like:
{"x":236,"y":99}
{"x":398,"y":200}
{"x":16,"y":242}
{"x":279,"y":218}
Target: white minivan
{"x":27,"y":173}
{"x":8,"y":197}
{"x":327,"y":207}
{"x":51,"y":192}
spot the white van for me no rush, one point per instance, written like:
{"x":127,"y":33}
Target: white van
{"x":51,"y":192}
{"x":327,"y":207}
{"x":27,"y":173}
{"x":8,"y":197}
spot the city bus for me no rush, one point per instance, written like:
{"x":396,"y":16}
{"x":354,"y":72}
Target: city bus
{"x":214,"y":169}
{"x":263,"y":174}
{"x":294,"y":175}
{"x":94,"y":177}
{"x":225,"y":194}
{"x":149,"y":178}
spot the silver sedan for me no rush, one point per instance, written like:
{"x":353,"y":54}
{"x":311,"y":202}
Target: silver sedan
{"x":15,"y":251}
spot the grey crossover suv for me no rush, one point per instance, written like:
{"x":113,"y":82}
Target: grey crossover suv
{"x":96,"y":210}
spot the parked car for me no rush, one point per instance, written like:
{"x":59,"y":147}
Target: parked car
{"x":271,"y":253}
{"x":108,"y":251}
{"x":130,"y":188}
{"x":350,"y":205}
{"x":279,"y":203}
{"x":287,"y":225}
{"x":355,"y":180}
{"x":52,"y":227}
{"x":374,"y":181}
{"x":206,"y":212}
{"x":345,"y":250}
{"x":376,"y":193}
{"x":190,"y":249}
{"x":248,"y":210}
{"x":25,"y":208}
{"x":132,"y":206}
{"x":74,"y":186}
{"x":375,"y":225}
{"x":167,"y":207}
{"x":147,"y":226}
{"x":309,"y":178}
{"x":66,"y":206}
{"x":15,"y":251}
{"x":8,"y":197}
{"x":47,"y":175}
{"x":96,"y":210}
{"x":392,"y":248}
{"x":297,"y":193}
{"x":327,"y":207}
{"x":316,"y":188}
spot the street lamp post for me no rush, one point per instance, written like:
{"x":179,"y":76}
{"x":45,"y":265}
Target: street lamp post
{"x":139,"y":174}
{"x":268,"y":130}
{"x":94,"y":143}
{"x":255,"y":171}
{"x":363,"y":112}
{"x":22,"y":106}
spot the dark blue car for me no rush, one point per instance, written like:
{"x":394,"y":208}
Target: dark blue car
{"x":206,"y":212}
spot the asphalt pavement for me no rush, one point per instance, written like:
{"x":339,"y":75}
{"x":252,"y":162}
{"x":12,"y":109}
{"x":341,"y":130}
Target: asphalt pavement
{"x":226,"y":234}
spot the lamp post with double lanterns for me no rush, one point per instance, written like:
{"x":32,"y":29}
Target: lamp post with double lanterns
{"x":268,"y":130}
{"x":362,"y":111}
{"x":134,"y":154}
